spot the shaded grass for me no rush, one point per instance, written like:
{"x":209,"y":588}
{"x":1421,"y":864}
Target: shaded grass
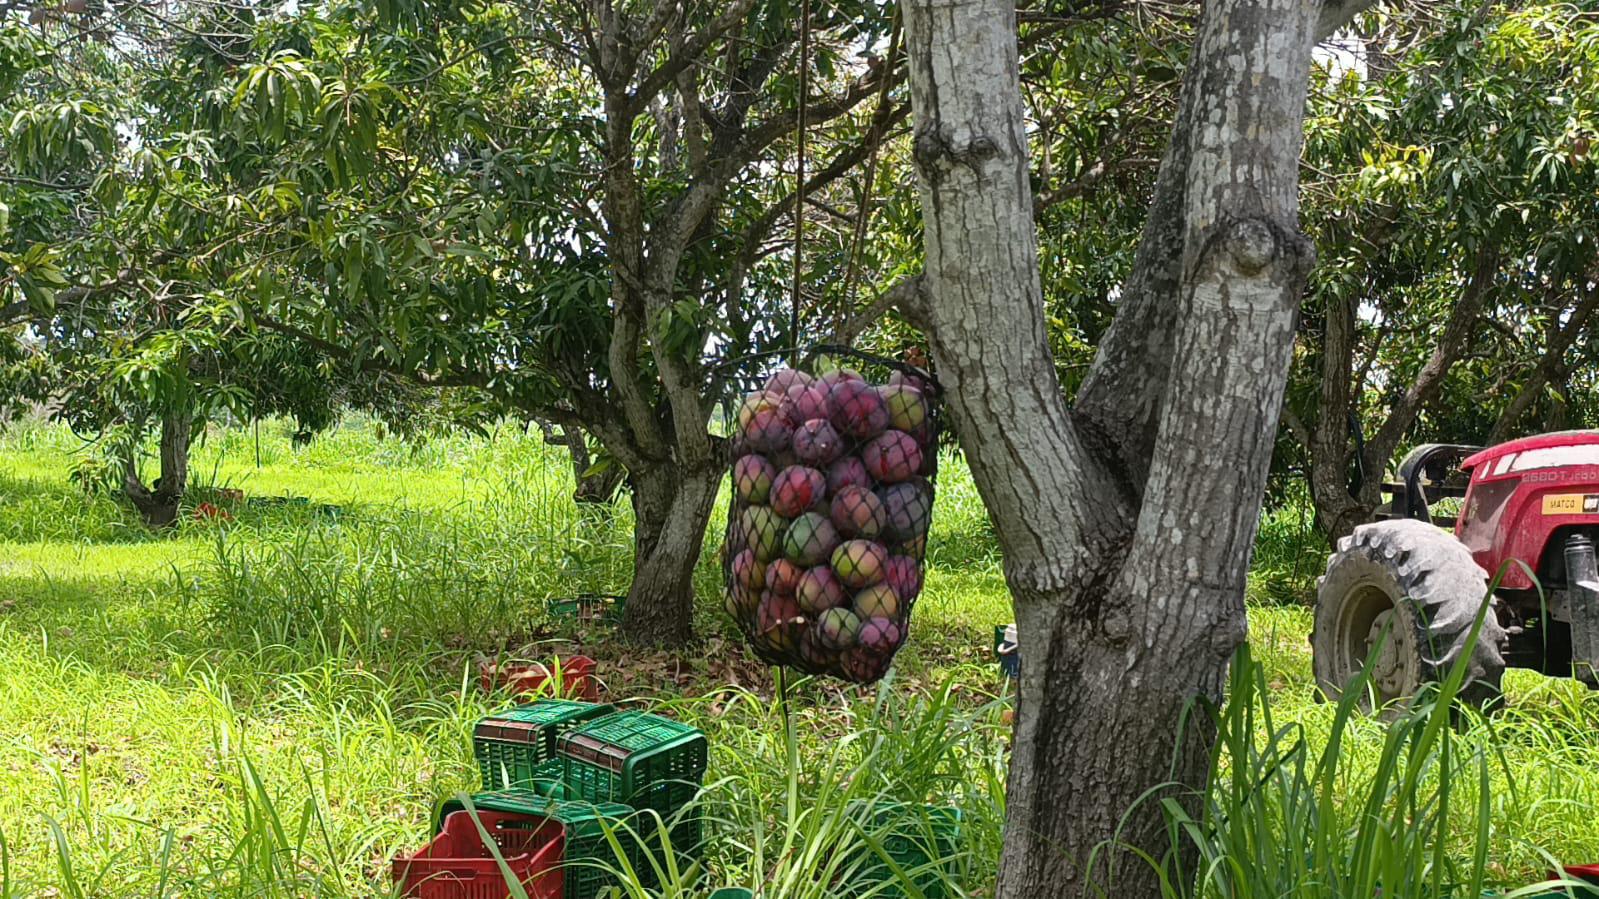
{"x":272,"y":706}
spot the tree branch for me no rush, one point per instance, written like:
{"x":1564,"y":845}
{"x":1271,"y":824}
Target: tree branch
{"x":904,"y":293}
{"x":1549,"y":367}
{"x":1296,"y":425}
{"x":1335,"y":14}
{"x":690,"y":52}
{"x":1451,"y":344}
{"x":1118,"y":404}
{"x":457,"y":378}
{"x":14,"y":313}
{"x":1090,"y":177}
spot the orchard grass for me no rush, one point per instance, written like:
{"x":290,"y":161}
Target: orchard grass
{"x":273,"y":705}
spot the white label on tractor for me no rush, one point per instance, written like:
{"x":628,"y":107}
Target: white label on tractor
{"x":1557,"y":457}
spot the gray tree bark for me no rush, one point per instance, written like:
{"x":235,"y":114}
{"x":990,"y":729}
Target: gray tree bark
{"x":1127,"y":523}
{"x":672,"y":507}
{"x":588,"y":486}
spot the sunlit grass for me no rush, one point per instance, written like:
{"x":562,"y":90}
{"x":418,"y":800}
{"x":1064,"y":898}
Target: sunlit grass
{"x":273,"y":706}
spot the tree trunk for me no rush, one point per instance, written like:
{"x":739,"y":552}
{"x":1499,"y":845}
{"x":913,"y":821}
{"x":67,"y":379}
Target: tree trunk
{"x":1125,"y":546}
{"x":672,"y":507}
{"x":1341,"y":505}
{"x":1338,"y":512}
{"x":159,"y":506}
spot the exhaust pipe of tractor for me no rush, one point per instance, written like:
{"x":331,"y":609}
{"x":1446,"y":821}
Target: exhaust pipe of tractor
{"x":1582,"y":569}
{"x":1582,"y":578}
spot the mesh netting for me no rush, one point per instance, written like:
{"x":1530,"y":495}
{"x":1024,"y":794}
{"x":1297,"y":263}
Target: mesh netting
{"x":833,"y":481}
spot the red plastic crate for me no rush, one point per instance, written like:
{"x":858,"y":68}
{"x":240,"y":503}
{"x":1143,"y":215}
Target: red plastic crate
{"x":458,"y":865}
{"x":577,"y":678}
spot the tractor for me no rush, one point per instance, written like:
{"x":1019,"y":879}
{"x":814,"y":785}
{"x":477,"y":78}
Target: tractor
{"x":1402,"y":594}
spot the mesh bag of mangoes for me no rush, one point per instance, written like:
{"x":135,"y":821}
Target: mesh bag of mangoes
{"x":832,"y":500}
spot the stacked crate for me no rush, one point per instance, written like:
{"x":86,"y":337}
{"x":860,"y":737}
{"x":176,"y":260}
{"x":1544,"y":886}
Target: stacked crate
{"x":641,"y":760}
{"x":587,"y":856}
{"x":588,"y":767}
{"x":515,"y":749}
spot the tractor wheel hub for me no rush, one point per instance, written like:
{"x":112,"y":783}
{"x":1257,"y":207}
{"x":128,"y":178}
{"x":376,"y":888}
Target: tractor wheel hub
{"x":1384,"y":654}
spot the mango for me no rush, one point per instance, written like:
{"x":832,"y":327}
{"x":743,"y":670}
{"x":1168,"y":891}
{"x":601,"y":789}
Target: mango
{"x":755,"y":403}
{"x":819,"y":589}
{"x":783,"y":379}
{"x":857,"y":512}
{"x":907,"y":410}
{"x":903,"y":574}
{"x":803,"y":403}
{"x":838,"y":628}
{"x":763,"y":532}
{"x":892,"y":457}
{"x":778,"y":619}
{"x":810,"y":540}
{"x":881,"y":635}
{"x":858,"y":410}
{"x":749,"y":571}
{"x":849,"y":471}
{"x":820,"y":658}
{"x":862,"y":665}
{"x":797,"y":489}
{"x":878,"y":601}
{"x":838,"y":376}
{"x":859,"y":563}
{"x":816,"y":442}
{"x":767,"y":432}
{"x":910,"y":509}
{"x":752,"y":478}
{"x":782,"y":577}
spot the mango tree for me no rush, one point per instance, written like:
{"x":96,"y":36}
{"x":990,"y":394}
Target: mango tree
{"x":115,"y":298}
{"x":576,"y":211}
{"x":1125,"y":519}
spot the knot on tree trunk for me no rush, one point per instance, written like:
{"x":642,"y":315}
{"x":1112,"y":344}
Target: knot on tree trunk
{"x":1253,"y":245}
{"x":1260,"y":247}
{"x":937,"y":152}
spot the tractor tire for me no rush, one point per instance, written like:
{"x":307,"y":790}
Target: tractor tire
{"x":1424,"y":583}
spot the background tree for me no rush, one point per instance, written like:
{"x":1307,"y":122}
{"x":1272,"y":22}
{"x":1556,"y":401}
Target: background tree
{"x":573,"y":216}
{"x":572,"y":210}
{"x":1451,"y":208}
{"x":118,"y":290}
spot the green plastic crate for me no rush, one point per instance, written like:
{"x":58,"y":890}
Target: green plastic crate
{"x":587,"y":858}
{"x":515,"y":748}
{"x":641,"y":760}
{"x":589,"y":608}
{"x":914,"y":838}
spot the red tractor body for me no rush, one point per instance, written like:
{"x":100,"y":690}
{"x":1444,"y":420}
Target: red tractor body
{"x":1527,"y":497}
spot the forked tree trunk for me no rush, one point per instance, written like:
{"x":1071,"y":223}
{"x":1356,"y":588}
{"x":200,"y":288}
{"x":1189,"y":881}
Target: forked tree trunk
{"x":159,"y":506}
{"x":672,"y":507}
{"x":1126,"y":542}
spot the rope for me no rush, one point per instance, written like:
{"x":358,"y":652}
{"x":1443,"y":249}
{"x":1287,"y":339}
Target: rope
{"x":878,"y":124}
{"x":799,"y":184}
